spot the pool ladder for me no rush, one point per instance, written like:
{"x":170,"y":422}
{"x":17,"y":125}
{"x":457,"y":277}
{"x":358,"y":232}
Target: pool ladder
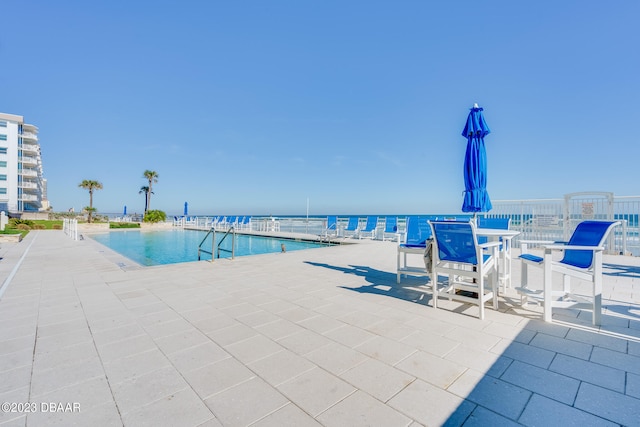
{"x":212,"y":231}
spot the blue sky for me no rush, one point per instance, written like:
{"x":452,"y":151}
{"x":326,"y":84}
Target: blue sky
{"x":253,"y":107}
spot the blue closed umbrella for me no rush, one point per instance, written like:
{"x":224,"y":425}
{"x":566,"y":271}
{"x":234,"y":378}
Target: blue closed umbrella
{"x":186,"y":208}
{"x":476,"y":197}
{"x":125,"y":211}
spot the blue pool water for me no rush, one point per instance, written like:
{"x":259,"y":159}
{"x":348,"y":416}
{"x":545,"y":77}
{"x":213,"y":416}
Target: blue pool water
{"x":174,"y":246}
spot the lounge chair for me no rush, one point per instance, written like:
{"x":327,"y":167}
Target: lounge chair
{"x":351,"y":230}
{"x":458,"y":255}
{"x":390,"y":227}
{"x":415,"y":242}
{"x":331,"y":228}
{"x":582,"y":260}
{"x":370,"y":228}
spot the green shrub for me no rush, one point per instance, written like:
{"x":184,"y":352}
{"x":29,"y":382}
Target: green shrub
{"x":124,"y":225}
{"x":15,"y":222}
{"x":154,"y":216}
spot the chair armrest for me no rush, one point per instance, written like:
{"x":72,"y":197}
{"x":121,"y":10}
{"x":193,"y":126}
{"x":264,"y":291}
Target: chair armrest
{"x":573,"y":247}
{"x":489,"y":244}
{"x":540,"y":242}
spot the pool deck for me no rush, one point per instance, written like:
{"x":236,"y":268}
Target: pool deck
{"x":305,"y":338}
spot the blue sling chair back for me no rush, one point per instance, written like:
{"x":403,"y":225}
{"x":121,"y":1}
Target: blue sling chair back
{"x":351,"y":230}
{"x":390,"y":227}
{"x":417,"y":233}
{"x":582,"y":259}
{"x":370,"y":227}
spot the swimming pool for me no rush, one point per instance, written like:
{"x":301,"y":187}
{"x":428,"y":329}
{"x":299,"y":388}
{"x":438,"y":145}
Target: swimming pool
{"x":174,"y":246}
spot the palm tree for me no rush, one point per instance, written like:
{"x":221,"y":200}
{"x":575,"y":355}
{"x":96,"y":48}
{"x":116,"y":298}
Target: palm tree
{"x":151,"y":176}
{"x":90,"y":185}
{"x":144,"y":189}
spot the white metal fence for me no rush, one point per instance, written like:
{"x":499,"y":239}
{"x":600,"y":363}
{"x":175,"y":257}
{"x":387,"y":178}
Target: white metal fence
{"x":536,"y":219}
{"x":70,"y":228}
{"x":555,"y":219}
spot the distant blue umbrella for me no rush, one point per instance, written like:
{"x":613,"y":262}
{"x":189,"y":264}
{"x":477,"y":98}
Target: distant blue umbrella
{"x":476,"y":198}
{"x":125,"y":211}
{"x":186,"y":208}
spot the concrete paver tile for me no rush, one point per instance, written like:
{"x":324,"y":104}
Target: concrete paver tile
{"x":103,"y":415}
{"x":281,"y":367}
{"x":435,"y":370}
{"x":378,"y":379}
{"x":577,"y":349}
{"x":126,"y":368}
{"x":216,"y":377}
{"x":126,"y":347}
{"x":593,"y":373}
{"x":336,"y":358}
{"x":430,"y":405}
{"x":304,"y":341}
{"x":279,"y":329}
{"x":633,"y":385}
{"x":181,"y":340}
{"x":608,"y":404}
{"x":615,"y":359}
{"x":499,"y":396}
{"x":253,"y":348}
{"x":287,"y":416}
{"x":528,"y":354}
{"x":15,"y":378}
{"x":386,"y":350}
{"x":198,"y":356}
{"x":246,"y":403}
{"x":542,"y":411}
{"x":360,"y":409}
{"x":181,"y":408}
{"x":541,"y":381}
{"x":481,"y":417}
{"x":52,"y":379}
{"x":315,"y":391}
{"x":141,"y":390}
{"x":231,"y":334}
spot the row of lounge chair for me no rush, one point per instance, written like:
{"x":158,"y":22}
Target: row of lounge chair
{"x":372,"y":227}
{"x":226,"y":222}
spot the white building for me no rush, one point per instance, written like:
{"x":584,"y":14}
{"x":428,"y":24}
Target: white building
{"x":22,"y":184}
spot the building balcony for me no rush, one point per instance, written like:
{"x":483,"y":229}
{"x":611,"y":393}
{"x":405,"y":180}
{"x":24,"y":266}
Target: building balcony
{"x":28,"y":173}
{"x":33,"y":148}
{"x":29,"y":135}
{"x":28,"y":185}
{"x":27,"y":160}
{"x":29,"y":198}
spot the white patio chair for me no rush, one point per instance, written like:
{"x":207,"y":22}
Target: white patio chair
{"x":582,"y":260}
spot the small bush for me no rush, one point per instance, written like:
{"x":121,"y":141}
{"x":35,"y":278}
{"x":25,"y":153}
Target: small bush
{"x":39,"y":227}
{"x":154,"y":216}
{"x":124,"y":225}
{"x":56,"y":227}
{"x":15,"y":222}
{"x":23,"y":226}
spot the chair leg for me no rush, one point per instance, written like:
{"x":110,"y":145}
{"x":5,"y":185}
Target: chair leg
{"x":434,"y":289}
{"x":597,"y":289}
{"x":566,"y":284}
{"x":481,"y":296}
{"x":548,"y":286}
{"x":524,"y":270}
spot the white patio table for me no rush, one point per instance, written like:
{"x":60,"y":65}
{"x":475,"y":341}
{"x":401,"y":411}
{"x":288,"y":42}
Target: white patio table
{"x":492,"y":234}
